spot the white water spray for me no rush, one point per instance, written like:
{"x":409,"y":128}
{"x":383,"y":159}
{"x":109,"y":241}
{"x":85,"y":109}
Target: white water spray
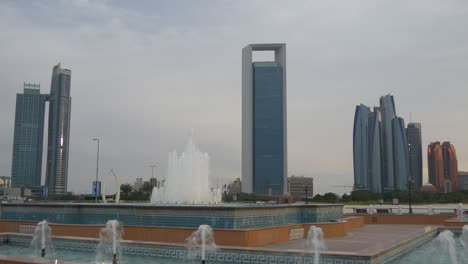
{"x":447,"y":243}
{"x":42,"y":238}
{"x":464,"y":237}
{"x":315,"y":242}
{"x":108,"y":249}
{"x":201,"y":242}
{"x":188,"y":179}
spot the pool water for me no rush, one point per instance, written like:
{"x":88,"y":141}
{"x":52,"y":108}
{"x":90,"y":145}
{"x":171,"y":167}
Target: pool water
{"x":89,"y":257}
{"x":433,"y":252}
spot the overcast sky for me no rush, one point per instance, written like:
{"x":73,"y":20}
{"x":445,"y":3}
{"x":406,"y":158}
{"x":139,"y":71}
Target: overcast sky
{"x":145,"y":72}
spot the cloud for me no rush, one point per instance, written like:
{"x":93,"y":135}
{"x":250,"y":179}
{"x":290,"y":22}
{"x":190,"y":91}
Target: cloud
{"x":144,"y":73}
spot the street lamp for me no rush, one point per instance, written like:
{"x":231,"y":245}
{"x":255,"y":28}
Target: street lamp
{"x":410,"y":183}
{"x":97,"y":169}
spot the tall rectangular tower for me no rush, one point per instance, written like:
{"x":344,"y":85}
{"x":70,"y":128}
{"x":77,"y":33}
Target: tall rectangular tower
{"x":26,"y":166}
{"x":59,"y":131}
{"x":413,"y":132}
{"x":264,"y":130}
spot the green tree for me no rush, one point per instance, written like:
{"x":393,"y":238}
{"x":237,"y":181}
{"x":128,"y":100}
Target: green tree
{"x":147,"y":188}
{"x":126,"y":189}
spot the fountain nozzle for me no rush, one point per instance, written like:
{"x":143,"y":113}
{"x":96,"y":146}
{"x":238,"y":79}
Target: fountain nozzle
{"x":43,"y":252}
{"x":114,"y":259}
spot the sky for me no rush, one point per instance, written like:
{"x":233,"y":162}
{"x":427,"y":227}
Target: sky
{"x":144,"y":73}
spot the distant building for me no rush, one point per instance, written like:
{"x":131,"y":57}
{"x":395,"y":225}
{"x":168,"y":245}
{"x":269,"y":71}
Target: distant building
{"x":59,"y":131}
{"x":380,"y":148}
{"x":400,"y":154}
{"x":427,"y":187}
{"x":413,"y":133}
{"x":442,"y":166}
{"x":463,"y":180}
{"x":264,"y":130}
{"x":235,"y":187}
{"x":297,"y":186}
{"x":154,"y":182}
{"x":388,"y":112}
{"x":28,"y":138}
{"x":138,"y":184}
{"x":5,"y":182}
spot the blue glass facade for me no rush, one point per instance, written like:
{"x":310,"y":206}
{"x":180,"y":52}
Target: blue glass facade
{"x":268,"y":147}
{"x":28,"y":138}
{"x":360,"y":148}
{"x":59,"y":131}
{"x":413,"y":133}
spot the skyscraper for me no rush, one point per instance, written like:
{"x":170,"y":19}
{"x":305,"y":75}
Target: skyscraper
{"x":28,"y":138}
{"x":413,"y":133}
{"x":387,"y":108}
{"x":367,"y":149}
{"x":443,"y":167}
{"x":59,"y":131}
{"x":400,"y":154}
{"x":264,"y":130}
{"x":375,"y":151}
{"x":361,"y":148}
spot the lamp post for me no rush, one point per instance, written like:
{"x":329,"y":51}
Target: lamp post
{"x":97,"y":170}
{"x":410,"y":183}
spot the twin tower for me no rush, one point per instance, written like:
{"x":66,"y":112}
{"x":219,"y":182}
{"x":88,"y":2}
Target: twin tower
{"x":29,"y":135}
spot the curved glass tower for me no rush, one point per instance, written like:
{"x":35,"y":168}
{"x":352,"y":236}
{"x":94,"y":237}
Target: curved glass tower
{"x":361,"y":148}
{"x":400,"y":154}
{"x":59,"y":131}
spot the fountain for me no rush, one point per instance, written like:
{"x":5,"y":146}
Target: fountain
{"x":41,"y":239}
{"x":187,"y":179}
{"x":371,"y":209}
{"x":315,"y":242}
{"x":447,"y":243}
{"x":109,"y":243}
{"x":200,"y":242}
{"x":460,"y":210}
{"x":430,"y":210}
{"x":464,"y":237}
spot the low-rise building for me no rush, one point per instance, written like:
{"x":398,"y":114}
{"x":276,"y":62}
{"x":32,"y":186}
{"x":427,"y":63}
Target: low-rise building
{"x":298,"y":186}
{"x":235,"y":187}
{"x":138,"y":184}
{"x":463,"y":180}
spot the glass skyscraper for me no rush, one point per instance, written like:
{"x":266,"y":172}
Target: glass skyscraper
{"x":59,"y":131}
{"x":264,"y":138}
{"x":361,"y":148}
{"x":400,"y":154}
{"x":387,"y":108}
{"x":28,"y":138}
{"x":413,"y":132}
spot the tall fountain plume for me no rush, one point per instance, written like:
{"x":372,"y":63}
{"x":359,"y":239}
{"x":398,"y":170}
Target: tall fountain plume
{"x":108,"y":249}
{"x":42,"y":238}
{"x":201,"y":242}
{"x":464,"y":237}
{"x":447,"y":244}
{"x":315,"y":242}
{"x":188,"y":178}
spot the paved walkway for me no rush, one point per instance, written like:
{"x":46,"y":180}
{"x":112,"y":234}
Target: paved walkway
{"x":367,"y":240}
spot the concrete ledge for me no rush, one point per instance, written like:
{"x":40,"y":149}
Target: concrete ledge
{"x":225,"y":237}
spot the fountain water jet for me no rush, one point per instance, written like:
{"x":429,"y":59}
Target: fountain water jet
{"x":464,"y":237}
{"x":200,"y":242}
{"x":447,"y":242}
{"x":109,"y":243}
{"x":315,"y":242}
{"x":41,"y":239}
{"x":188,"y":178}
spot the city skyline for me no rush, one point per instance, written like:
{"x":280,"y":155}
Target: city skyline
{"x":141,"y":88}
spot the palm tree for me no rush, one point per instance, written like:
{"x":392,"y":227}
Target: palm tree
{"x":147,"y":188}
{"x":126,"y":189}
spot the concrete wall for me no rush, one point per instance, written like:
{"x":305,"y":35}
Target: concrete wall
{"x":224,"y":237}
